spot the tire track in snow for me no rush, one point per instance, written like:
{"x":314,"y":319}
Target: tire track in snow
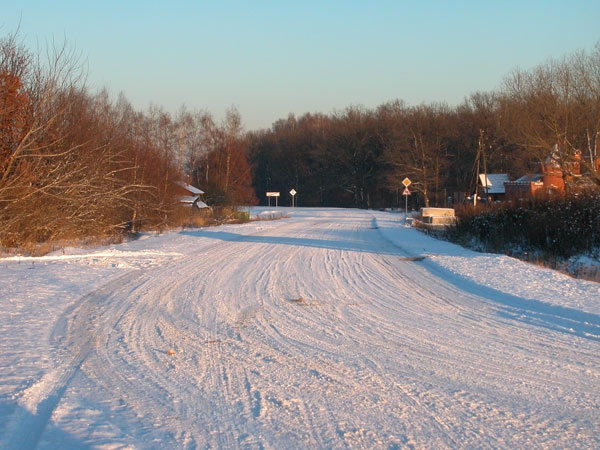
{"x":458,"y":314}
{"x":75,"y":333}
{"x":364,"y":350}
{"x":201,"y":337}
{"x":360,"y":379}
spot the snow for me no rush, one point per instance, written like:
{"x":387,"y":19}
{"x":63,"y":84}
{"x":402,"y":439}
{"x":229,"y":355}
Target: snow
{"x":327,"y":328}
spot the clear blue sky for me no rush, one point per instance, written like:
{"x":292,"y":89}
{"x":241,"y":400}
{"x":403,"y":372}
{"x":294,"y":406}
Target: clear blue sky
{"x":272,"y":58}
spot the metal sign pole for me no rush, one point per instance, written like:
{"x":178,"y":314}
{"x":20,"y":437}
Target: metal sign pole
{"x":406,"y":182}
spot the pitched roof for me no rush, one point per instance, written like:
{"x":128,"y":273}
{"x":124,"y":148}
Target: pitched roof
{"x":494,"y":183}
{"x":188,"y":199}
{"x":191,"y":189}
{"x":193,"y":201}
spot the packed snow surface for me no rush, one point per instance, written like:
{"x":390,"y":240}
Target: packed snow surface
{"x":328,"y":328}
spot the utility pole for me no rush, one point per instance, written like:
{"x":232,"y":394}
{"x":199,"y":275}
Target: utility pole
{"x":479,"y":159}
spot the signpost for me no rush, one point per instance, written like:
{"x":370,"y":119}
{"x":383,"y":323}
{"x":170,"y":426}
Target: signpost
{"x":406,"y":182}
{"x":293,"y":194}
{"x":273,"y":194}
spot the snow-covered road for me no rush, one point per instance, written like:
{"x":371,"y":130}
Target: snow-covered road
{"x":327,"y":329}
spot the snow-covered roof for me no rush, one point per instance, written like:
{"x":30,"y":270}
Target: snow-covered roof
{"x":191,"y":189}
{"x":188,"y":199}
{"x":494,"y":183}
{"x":193,"y":201}
{"x":529,"y":178}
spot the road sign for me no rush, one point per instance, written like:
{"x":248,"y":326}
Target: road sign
{"x":273,"y":194}
{"x":406,"y":193}
{"x":293,"y":192}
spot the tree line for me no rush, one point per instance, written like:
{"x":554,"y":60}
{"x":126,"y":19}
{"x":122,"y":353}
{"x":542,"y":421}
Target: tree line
{"x":359,"y":157}
{"x":78,"y":164}
{"x":75,"y":163}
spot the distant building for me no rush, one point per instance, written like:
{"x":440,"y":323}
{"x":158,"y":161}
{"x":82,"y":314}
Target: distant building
{"x":551,"y":179}
{"x":553,"y":175}
{"x":491,"y":186}
{"x":524,"y":187}
{"x":190,"y":196}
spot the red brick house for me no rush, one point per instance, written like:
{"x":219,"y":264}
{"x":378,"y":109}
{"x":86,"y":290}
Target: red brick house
{"x":524,"y":187}
{"x":550,"y":180}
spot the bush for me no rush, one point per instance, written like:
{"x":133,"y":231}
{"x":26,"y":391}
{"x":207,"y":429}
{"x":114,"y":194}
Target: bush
{"x":552,"y":228}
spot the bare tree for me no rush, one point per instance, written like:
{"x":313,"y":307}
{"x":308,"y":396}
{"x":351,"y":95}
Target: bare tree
{"x":358,"y":154}
{"x":36,"y":95}
{"x":420,"y":151}
{"x":558,"y":109}
{"x":71,"y":165}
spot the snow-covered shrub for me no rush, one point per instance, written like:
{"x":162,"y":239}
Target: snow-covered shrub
{"x":551,"y":227}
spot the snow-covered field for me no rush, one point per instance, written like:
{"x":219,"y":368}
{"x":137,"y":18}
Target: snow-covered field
{"x":330,"y":328}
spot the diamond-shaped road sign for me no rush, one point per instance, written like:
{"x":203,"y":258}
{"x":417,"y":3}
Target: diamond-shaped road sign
{"x":406,"y":182}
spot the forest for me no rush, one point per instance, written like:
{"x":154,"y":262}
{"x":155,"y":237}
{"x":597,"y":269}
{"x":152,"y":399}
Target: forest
{"x":359,"y":157}
{"x":78,"y":164}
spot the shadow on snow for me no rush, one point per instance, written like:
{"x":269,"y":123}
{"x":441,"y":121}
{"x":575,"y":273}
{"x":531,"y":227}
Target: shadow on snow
{"x":355,"y":245}
{"x":530,"y":311}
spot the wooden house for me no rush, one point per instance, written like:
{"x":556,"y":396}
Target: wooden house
{"x":491,"y":186}
{"x":190,"y":196}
